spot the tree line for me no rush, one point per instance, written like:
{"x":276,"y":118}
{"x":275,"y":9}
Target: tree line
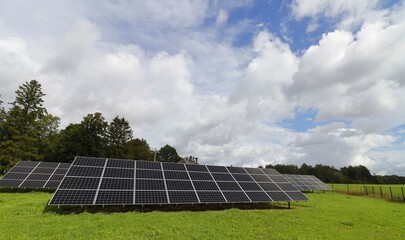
{"x":29,"y":132}
{"x":329,"y":174}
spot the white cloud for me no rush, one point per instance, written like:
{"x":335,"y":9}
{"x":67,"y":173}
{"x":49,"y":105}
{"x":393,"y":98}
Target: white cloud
{"x":359,"y":75}
{"x":222,"y":17}
{"x":265,"y":77}
{"x":350,"y":14}
{"x":15,"y":64}
{"x":340,"y":146}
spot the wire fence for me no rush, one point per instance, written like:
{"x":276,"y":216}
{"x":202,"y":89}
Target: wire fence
{"x":389,"y":192}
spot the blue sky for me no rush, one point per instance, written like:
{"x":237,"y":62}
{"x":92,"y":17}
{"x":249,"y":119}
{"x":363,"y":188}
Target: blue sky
{"x":231,"y":82}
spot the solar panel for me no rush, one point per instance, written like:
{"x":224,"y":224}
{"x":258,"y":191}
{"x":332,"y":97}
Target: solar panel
{"x":306,"y":182}
{"x":102,"y":181}
{"x":38,"y":175}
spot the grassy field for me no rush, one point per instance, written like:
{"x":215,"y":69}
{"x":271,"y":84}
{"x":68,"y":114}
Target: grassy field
{"x":326,"y":216}
{"x":380,"y":191}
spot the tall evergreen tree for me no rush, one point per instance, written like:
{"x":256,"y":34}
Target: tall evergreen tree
{"x":27,"y":126}
{"x":94,"y":134}
{"x":118,"y":134}
{"x":2,"y":122}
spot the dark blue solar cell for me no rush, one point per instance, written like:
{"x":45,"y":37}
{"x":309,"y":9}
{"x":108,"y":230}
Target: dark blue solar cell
{"x":79,"y":183}
{"x":33,"y":184}
{"x":115,"y":163}
{"x":236,"y":197}
{"x":236,"y":170}
{"x":48,"y":165}
{"x":149,"y":184}
{"x":223,"y":177}
{"x":200,"y":176}
{"x":39,"y":177}
{"x":211,"y":197}
{"x":179,"y":185}
{"x":254,"y":170}
{"x":258,"y":196}
{"x":196,"y":168}
{"x":278,"y":196}
{"x":85,"y":171}
{"x":174,"y":166}
{"x":261,"y":178}
{"x":182,"y":197}
{"x":118,"y":173}
{"x":297,"y":196}
{"x":89,"y":161}
{"x":73,"y":197}
{"x":205,"y":185}
{"x":115,"y":197}
{"x":225,"y":186}
{"x":117,"y":183}
{"x":250,"y":186}
{"x":176,"y":175}
{"x":150,"y":197}
{"x":11,"y":183}
{"x":243,"y":177}
{"x":148,"y":165}
{"x":217,"y":169}
{"x":151,"y":174}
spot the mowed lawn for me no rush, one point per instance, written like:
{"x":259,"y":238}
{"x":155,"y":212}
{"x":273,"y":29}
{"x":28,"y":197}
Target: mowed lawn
{"x":326,"y":216}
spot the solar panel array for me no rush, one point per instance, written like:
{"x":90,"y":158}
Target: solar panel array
{"x":306,"y":182}
{"x":28,"y":174}
{"x":101,"y":181}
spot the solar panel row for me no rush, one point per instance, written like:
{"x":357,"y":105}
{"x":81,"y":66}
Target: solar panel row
{"x":27,"y":174}
{"x":306,"y":182}
{"x":124,"y":182}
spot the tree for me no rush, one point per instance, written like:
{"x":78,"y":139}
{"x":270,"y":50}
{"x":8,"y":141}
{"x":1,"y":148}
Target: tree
{"x":3,"y":117}
{"x":69,"y":143}
{"x":285,"y":169}
{"x":167,"y":154}
{"x":27,"y":126}
{"x":306,"y":169}
{"x":9,"y":153}
{"x":27,"y":109}
{"x":94,"y":134}
{"x":138,"y":149}
{"x":118,"y":134}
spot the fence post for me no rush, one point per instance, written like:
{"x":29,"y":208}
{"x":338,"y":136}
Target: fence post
{"x":381,"y":192}
{"x":391,"y":194}
{"x":403,"y":196}
{"x":366,"y":190}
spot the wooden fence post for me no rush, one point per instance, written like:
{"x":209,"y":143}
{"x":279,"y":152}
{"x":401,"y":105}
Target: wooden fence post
{"x":403,"y":196}
{"x":381,"y":192}
{"x":391,"y":194}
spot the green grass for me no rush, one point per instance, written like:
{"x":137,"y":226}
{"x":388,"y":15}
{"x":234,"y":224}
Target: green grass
{"x":326,"y":216}
{"x":385,"y":189}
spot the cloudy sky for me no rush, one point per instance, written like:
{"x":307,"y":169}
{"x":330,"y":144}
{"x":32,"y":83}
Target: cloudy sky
{"x":232,"y":82}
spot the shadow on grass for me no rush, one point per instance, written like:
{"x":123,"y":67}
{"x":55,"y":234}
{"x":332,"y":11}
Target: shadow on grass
{"x":25,"y":190}
{"x":65,"y":210}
